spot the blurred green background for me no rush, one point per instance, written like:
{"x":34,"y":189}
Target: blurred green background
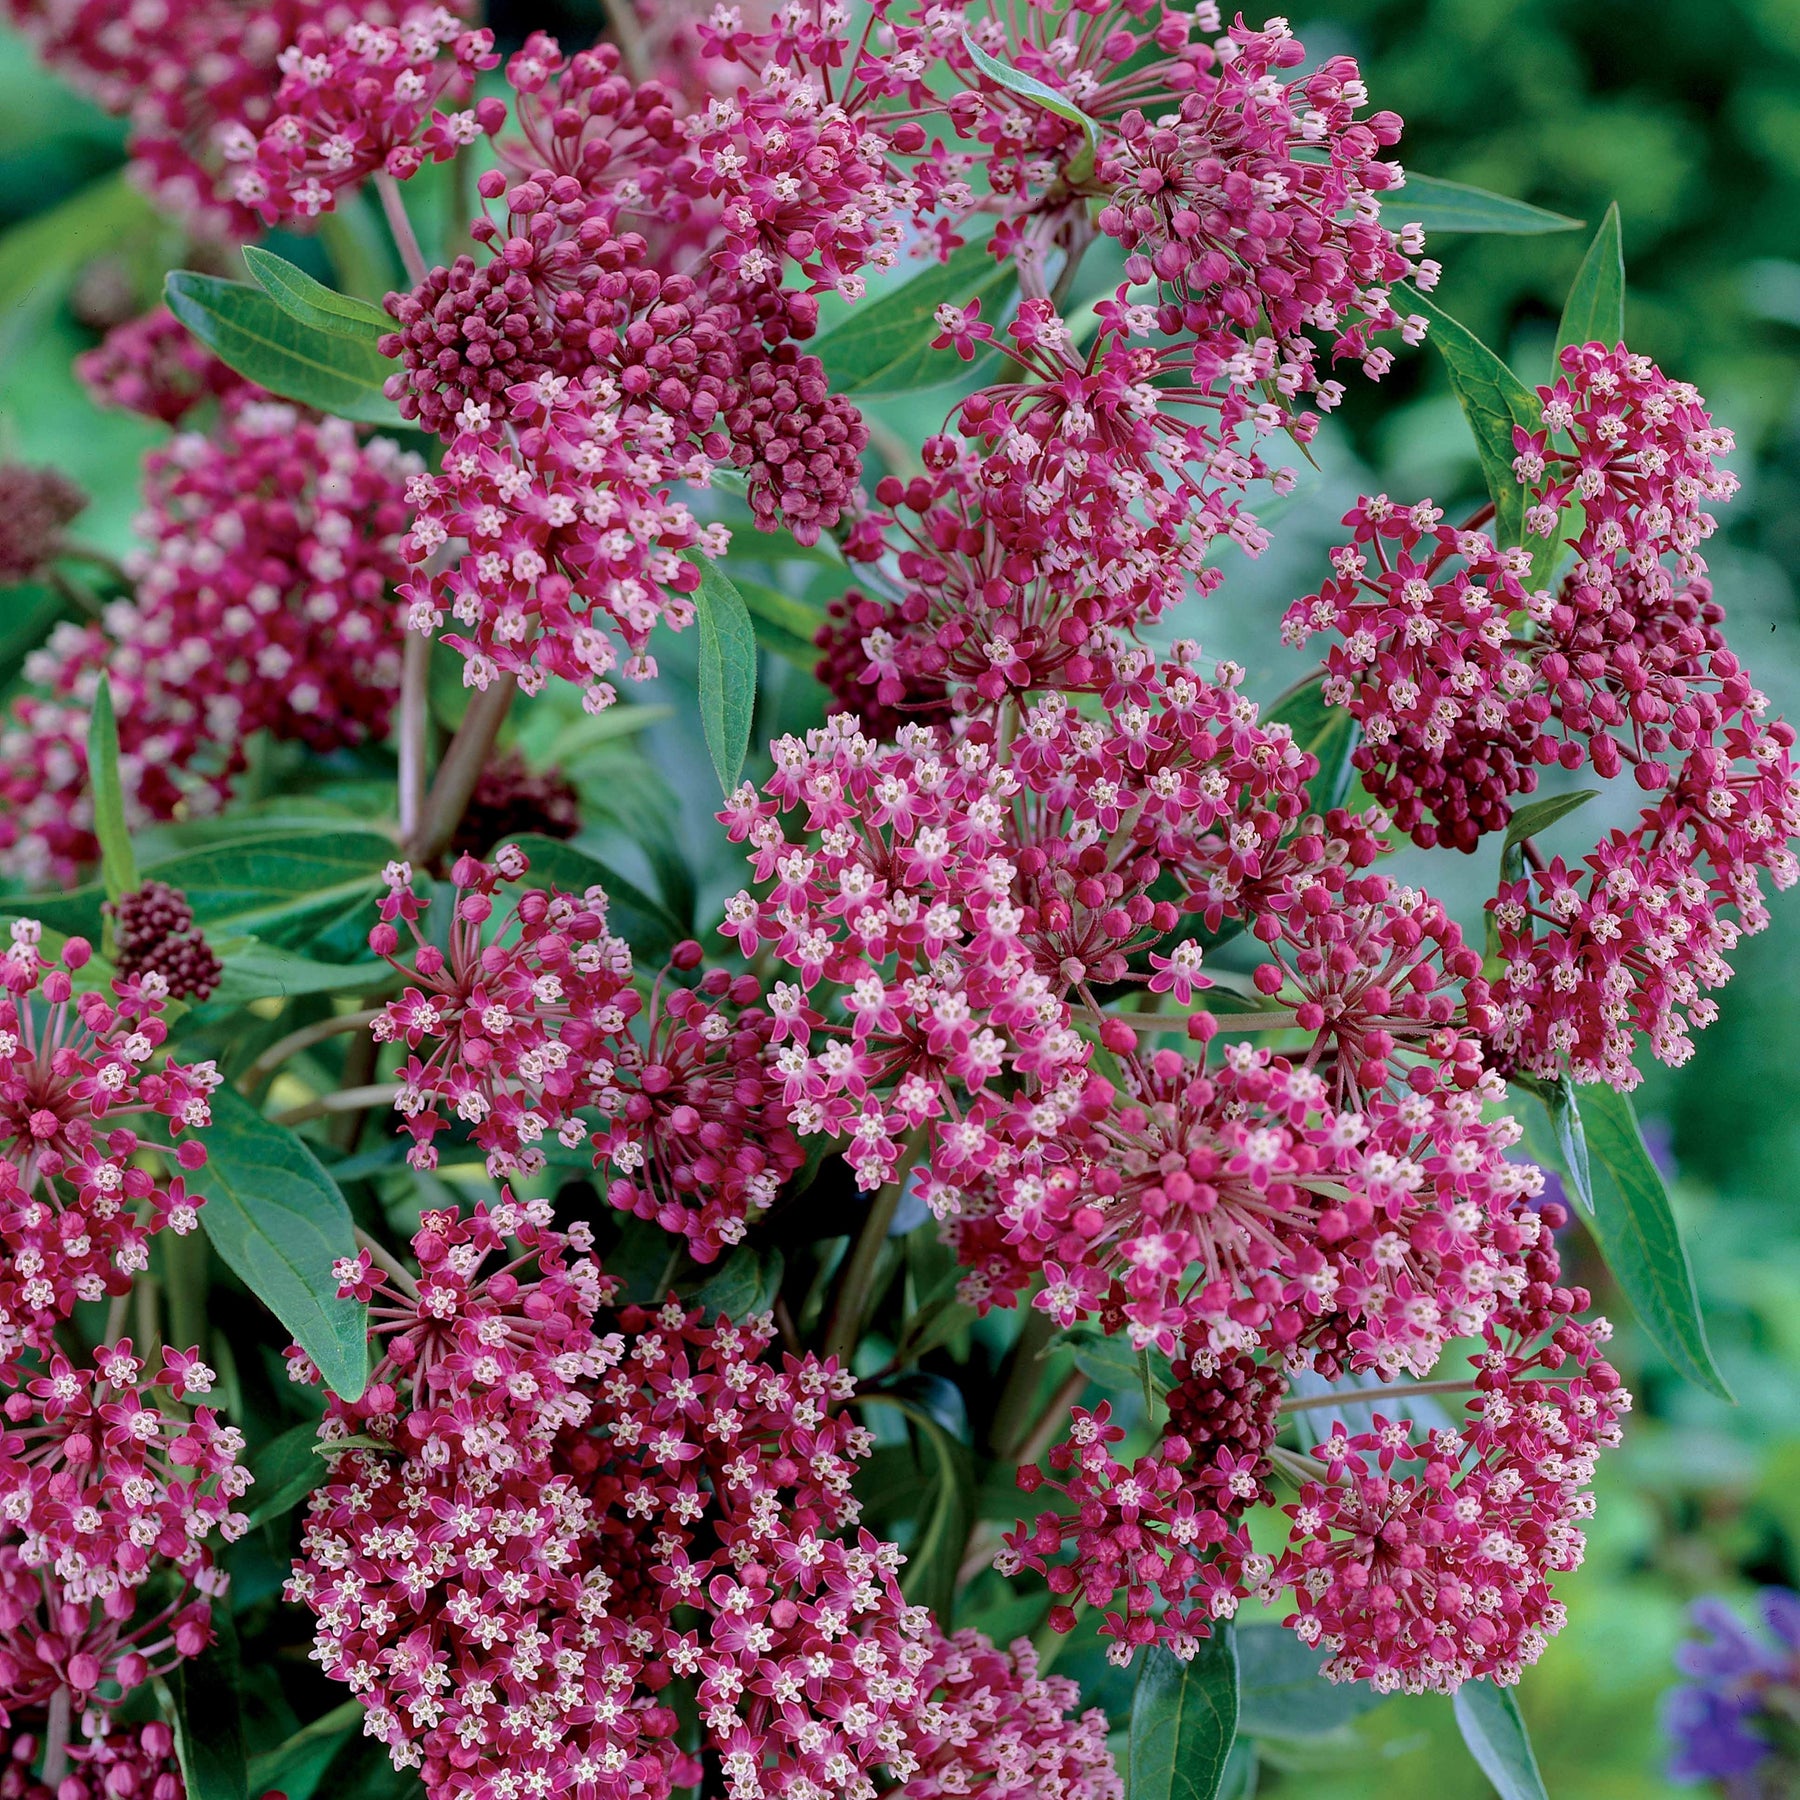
{"x":1689,"y":117}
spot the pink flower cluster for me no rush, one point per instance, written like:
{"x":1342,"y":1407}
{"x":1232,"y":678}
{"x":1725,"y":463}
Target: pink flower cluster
{"x":1421,"y":1578}
{"x":110,"y":1487}
{"x":358,"y":101}
{"x":538,"y":1033}
{"x":263,"y":603}
{"x":1466,"y":681}
{"x":958,"y":895}
{"x":561,"y":1521}
{"x":78,"y":1083}
{"x":194,"y":77}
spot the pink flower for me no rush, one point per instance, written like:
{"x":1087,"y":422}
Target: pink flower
{"x":358,"y":99}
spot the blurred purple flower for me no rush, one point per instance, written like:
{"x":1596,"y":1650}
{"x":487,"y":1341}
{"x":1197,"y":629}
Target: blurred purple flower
{"x":1737,"y":1720}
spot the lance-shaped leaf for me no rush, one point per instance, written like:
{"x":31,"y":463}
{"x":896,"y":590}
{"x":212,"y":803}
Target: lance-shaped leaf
{"x":1563,"y":1104}
{"x":1636,"y":1230}
{"x":295,"y":1767}
{"x":118,"y":866}
{"x":727,"y":670}
{"x":1184,"y":1720}
{"x":1028,"y":87}
{"x":279,"y":1223}
{"x":1495,"y":1733}
{"x":312,"y":302}
{"x":1528,"y":821}
{"x":286,"y":1471}
{"x":1594,"y":312}
{"x":265,"y":343}
{"x":1495,"y":402}
{"x":884,"y":346}
{"x":1452,"y":206}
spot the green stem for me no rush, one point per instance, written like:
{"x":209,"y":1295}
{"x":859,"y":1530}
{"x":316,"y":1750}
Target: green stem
{"x":851,"y":1305}
{"x":185,"y":1270}
{"x":1015,"y":1412}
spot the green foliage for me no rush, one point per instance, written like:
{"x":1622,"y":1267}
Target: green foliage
{"x":1497,"y":1739}
{"x":884,"y":346}
{"x":268,"y":343}
{"x":204,"y":1703}
{"x":118,"y":866}
{"x":1454,"y":206}
{"x":311,"y":302}
{"x":727,"y":670}
{"x":1594,"y":312}
{"x":1184,"y":1718}
{"x":278,"y":1223}
{"x":1636,"y":1229}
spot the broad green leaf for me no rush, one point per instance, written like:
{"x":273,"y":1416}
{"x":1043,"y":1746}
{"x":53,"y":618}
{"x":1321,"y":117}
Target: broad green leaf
{"x":1111,"y":1363}
{"x":1449,"y":206}
{"x":884,"y":347}
{"x":295,"y":1768}
{"x":1528,"y":821}
{"x":784,"y":626}
{"x":1636,"y":1230}
{"x":744,"y":1285}
{"x":1594,"y":312}
{"x":645,"y":923}
{"x":202,"y":1695}
{"x":278,"y":889}
{"x":286,"y":1472}
{"x":279,"y":1223}
{"x":312,"y":302}
{"x":257,"y":971}
{"x":1184,"y":1720}
{"x":1281,"y":1692}
{"x":118,"y":866}
{"x":1494,"y":401}
{"x":727,"y":670}
{"x":1028,"y":87}
{"x":1495,"y":1733}
{"x":247,"y":331}
{"x":1329,"y":732}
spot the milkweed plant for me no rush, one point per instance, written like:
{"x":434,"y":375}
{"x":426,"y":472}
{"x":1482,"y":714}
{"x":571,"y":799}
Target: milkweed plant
{"x":1008,"y":1264}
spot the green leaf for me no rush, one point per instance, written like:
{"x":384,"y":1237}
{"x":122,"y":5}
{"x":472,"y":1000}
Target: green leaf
{"x":1453,"y":206}
{"x":936,"y":1554}
{"x":1494,"y":400}
{"x":1571,"y":1138}
{"x":884,"y":347}
{"x":286,"y":1472}
{"x":1028,"y":87}
{"x":279,"y":889}
{"x":1636,"y":1230}
{"x":1281,"y":1692}
{"x":648,"y":925}
{"x":279,"y":1223}
{"x":1495,"y":1733}
{"x":1528,"y":821}
{"x":744,"y":1285}
{"x":1594,"y":312}
{"x":296,"y":1767}
{"x":1184,"y":1720}
{"x":312,"y":302}
{"x":258,"y":971}
{"x":727,"y":670}
{"x":784,"y":625}
{"x":266,"y":344}
{"x":118,"y":866}
{"x":1239,"y":1781}
{"x":1328,"y":732}
{"x":201,"y":1697}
